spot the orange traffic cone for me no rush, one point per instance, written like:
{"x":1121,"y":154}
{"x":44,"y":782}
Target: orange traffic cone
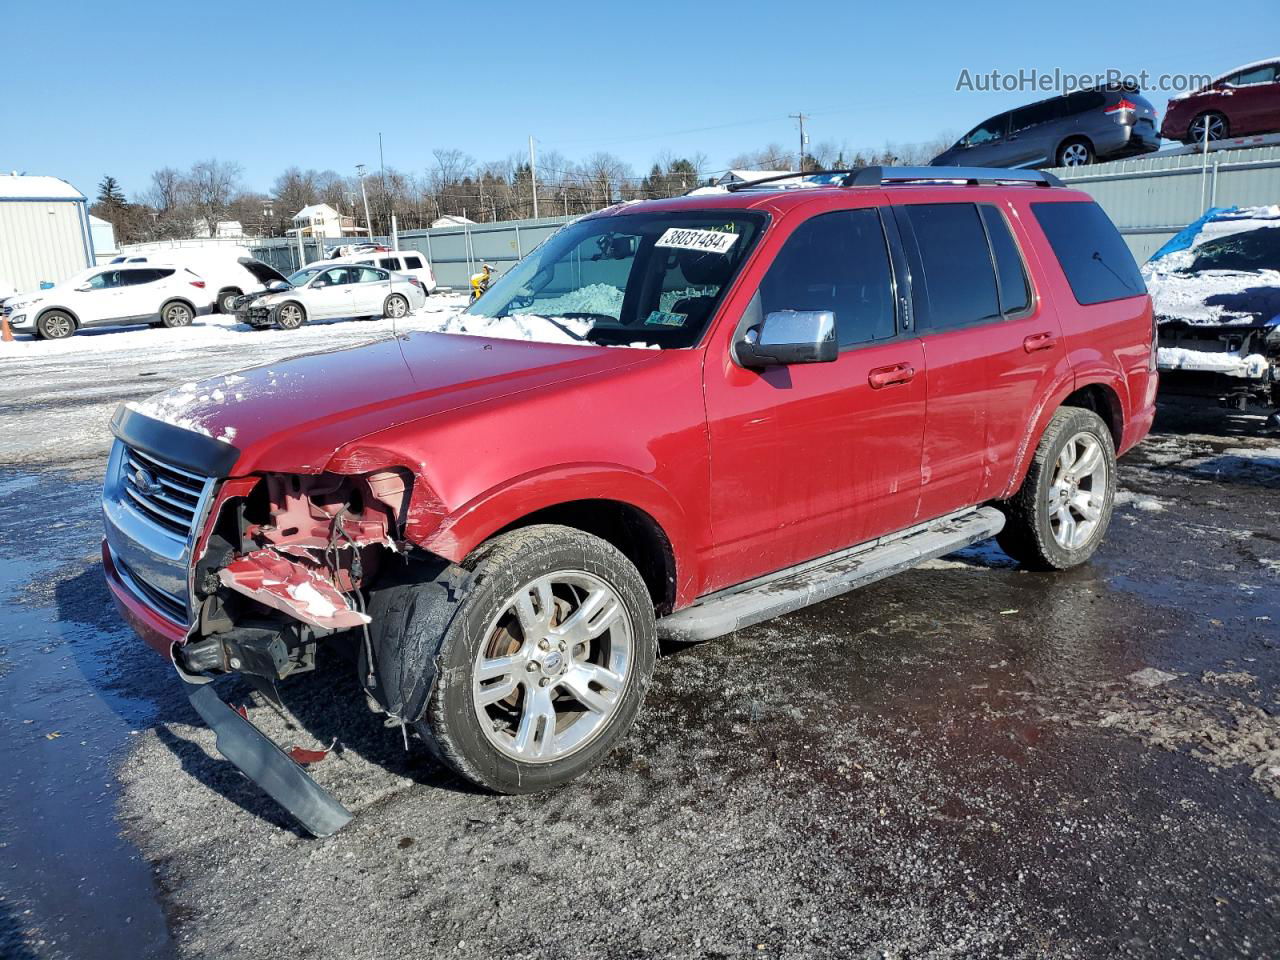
{"x":5,"y":333}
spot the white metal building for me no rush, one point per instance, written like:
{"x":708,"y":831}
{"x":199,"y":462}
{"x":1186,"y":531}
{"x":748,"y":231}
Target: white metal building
{"x":44,"y":231}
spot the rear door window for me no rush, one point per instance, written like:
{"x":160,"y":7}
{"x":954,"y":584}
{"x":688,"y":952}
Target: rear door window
{"x":389,"y":263}
{"x":1037,"y":114}
{"x":372,"y":275}
{"x":953,"y":266}
{"x":1011,"y":273}
{"x":1092,"y":253}
{"x":837,"y":262}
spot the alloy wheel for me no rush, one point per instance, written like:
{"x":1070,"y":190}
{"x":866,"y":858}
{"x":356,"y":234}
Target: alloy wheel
{"x":1215,"y":124}
{"x":1078,"y":493}
{"x":1075,"y":155}
{"x":553,"y":667}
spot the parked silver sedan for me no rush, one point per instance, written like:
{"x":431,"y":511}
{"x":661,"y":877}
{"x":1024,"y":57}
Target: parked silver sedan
{"x":322,"y":291}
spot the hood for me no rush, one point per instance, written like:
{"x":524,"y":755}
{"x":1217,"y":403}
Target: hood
{"x":1215,"y":296}
{"x":293,"y":415}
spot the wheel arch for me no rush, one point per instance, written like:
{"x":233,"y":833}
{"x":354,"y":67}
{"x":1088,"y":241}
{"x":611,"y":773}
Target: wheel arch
{"x":306,"y":314}
{"x":182,"y":300}
{"x":75,"y":317}
{"x":626,"y":508}
{"x":637,"y":535}
{"x":1097,"y":395}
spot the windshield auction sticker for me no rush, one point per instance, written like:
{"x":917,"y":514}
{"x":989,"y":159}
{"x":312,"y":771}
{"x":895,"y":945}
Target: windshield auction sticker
{"x":708,"y":241}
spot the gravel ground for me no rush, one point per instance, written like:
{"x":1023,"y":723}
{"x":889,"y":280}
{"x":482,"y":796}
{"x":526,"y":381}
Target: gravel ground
{"x":967,"y":760}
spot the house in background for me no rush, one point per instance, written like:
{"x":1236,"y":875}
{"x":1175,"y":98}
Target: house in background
{"x":44,"y":231}
{"x":222,"y":230}
{"x":321,"y":220}
{"x":451,"y":220}
{"x":730,"y":177}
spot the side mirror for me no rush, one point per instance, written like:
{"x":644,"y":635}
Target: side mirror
{"x":790,"y":336}
{"x":275,"y":286}
{"x":83,"y":288}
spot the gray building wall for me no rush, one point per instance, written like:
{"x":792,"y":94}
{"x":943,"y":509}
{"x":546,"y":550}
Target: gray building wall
{"x":1153,"y":197}
{"x":43,"y":241}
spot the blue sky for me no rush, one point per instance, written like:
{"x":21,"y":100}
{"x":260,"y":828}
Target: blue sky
{"x":92,"y":89}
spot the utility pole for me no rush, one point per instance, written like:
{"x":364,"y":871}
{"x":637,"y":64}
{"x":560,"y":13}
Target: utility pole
{"x":804,"y":141}
{"x":533,"y":177}
{"x":367,"y":225}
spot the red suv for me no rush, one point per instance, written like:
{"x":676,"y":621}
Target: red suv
{"x":1236,"y":104}
{"x":730,"y":407}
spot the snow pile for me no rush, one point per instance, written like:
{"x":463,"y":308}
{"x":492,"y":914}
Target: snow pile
{"x":534,"y":327}
{"x":1251,"y":367}
{"x":599,"y":298}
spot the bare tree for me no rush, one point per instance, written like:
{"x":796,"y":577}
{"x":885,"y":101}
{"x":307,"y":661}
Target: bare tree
{"x":213,"y":184}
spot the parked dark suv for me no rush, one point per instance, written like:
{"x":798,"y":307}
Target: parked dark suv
{"x":1069,"y":131}
{"x":727,"y":408}
{"x":1236,"y":104}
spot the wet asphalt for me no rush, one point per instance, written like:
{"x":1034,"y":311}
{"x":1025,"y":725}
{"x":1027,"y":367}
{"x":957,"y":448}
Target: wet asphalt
{"x":957,"y":762}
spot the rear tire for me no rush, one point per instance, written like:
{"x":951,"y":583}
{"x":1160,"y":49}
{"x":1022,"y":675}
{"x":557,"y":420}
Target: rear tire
{"x":1075,"y":153}
{"x":1060,"y":514}
{"x":227,"y":301}
{"x":176,"y":314}
{"x":55,"y":325}
{"x":395,"y":307}
{"x":572,"y":688}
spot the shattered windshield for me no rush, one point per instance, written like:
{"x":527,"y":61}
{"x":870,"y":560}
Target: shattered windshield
{"x":1243,"y":252}
{"x":639,"y":279}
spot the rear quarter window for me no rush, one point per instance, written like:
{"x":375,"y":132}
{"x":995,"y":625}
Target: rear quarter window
{"x":1093,"y":255}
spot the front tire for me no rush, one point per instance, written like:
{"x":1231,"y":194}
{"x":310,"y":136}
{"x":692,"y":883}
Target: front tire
{"x":290,"y":316}
{"x":176,"y":314}
{"x":545,"y":666}
{"x":1060,"y":514}
{"x":55,"y":325}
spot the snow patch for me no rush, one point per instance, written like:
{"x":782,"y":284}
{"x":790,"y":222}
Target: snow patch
{"x":1252,"y":367}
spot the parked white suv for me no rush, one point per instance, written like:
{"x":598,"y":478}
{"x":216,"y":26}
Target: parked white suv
{"x":326,"y":290}
{"x":113,"y":295}
{"x":409,"y":262}
{"x":229,"y":271}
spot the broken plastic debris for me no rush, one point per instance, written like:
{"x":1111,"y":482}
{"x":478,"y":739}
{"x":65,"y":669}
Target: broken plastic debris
{"x":1150,"y":677}
{"x":303,"y":756}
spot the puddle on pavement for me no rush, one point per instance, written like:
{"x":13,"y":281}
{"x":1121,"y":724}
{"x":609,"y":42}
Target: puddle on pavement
{"x":69,"y":885}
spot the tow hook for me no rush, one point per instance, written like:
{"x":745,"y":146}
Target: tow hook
{"x":262,"y":761}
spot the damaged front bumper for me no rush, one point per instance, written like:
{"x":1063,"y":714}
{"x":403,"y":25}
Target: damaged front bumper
{"x":253,"y":752}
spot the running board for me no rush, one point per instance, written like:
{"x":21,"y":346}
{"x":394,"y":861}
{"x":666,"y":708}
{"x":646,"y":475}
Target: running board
{"x":788,"y":590}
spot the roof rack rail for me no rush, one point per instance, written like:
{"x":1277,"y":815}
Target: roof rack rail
{"x":889,"y":176}
{"x":815,"y":175}
{"x":971,"y":176}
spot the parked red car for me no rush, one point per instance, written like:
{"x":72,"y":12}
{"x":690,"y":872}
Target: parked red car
{"x":756,"y":401}
{"x":1243,"y":102}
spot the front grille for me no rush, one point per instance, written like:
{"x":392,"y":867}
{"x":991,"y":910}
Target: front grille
{"x":170,"y":606}
{"x":166,"y":495}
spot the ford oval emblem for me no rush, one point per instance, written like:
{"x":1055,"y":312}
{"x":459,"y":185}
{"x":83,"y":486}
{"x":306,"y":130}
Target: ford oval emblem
{"x":145,"y":482}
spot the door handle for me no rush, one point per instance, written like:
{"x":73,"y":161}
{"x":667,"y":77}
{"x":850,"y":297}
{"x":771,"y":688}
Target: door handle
{"x":1039,"y":341}
{"x":894,"y":373}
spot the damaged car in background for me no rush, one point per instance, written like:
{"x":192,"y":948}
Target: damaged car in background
{"x":1216,"y":294}
{"x":672,"y":419}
